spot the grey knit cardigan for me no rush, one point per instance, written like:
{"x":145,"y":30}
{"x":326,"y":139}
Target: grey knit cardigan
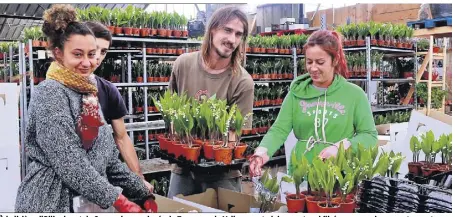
{"x":59,"y":167}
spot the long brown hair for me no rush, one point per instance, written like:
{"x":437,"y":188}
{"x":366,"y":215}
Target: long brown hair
{"x":330,"y":42}
{"x":219,"y":19}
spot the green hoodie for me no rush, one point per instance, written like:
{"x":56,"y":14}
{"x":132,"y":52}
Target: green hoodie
{"x":347,"y":115}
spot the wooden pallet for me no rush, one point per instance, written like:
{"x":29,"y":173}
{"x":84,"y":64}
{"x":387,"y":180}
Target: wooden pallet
{"x":430,"y":23}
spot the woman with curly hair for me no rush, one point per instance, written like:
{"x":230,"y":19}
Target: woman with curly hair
{"x":70,"y":148}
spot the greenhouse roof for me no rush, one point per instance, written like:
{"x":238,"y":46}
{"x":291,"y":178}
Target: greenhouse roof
{"x":15,"y":17}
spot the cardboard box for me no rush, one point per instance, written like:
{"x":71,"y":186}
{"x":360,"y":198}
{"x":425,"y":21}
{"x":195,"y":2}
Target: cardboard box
{"x":166,"y":205}
{"x":224,"y":200}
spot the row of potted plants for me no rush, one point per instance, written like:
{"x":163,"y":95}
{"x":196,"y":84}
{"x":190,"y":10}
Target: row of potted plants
{"x":276,"y":44}
{"x":381,"y":34}
{"x":437,"y":94}
{"x":35,"y":34}
{"x":200,"y":127}
{"x":270,"y":70}
{"x":383,"y":121}
{"x":332,"y":182}
{"x":138,"y":100}
{"x":431,"y":147}
{"x":269,"y":95}
{"x":156,"y":72}
{"x":133,"y":21}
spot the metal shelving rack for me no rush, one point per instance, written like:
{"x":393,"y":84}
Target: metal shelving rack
{"x":381,"y":107}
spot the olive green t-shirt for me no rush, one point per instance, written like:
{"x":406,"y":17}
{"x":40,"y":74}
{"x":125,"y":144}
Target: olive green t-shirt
{"x":188,"y":76}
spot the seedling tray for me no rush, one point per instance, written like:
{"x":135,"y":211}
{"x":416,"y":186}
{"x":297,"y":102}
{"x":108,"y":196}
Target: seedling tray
{"x":389,"y":195}
{"x":203,"y":166}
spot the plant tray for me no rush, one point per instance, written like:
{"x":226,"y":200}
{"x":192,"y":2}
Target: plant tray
{"x":439,"y":178}
{"x":387,"y":195}
{"x":204,"y":166}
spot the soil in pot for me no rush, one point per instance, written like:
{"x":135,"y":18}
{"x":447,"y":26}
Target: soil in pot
{"x":192,"y":153}
{"x":334,"y":208}
{"x":295,"y":205}
{"x":224,"y":155}
{"x":239,"y":151}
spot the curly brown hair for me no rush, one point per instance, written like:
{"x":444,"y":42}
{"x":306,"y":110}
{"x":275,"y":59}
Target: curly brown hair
{"x":60,"y":22}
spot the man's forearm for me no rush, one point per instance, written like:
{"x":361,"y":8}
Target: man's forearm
{"x":128,"y":153}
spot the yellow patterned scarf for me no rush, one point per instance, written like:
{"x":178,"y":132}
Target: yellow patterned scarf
{"x":89,"y":120}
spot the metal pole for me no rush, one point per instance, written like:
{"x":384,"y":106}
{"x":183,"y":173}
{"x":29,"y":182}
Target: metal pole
{"x":144,"y":63}
{"x":294,"y":56}
{"x":22,"y":118}
{"x":130,"y":93}
{"x":368,"y":52}
{"x":4,"y":67}
{"x":11,"y":62}
{"x":30,"y":64}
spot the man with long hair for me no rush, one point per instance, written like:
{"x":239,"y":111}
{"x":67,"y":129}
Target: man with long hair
{"x":216,"y":70}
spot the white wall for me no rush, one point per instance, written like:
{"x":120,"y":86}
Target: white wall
{"x":10,"y":176}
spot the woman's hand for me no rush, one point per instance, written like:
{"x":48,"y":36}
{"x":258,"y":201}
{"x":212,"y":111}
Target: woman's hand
{"x":148,"y":185}
{"x":332,"y":150}
{"x":257,"y":160}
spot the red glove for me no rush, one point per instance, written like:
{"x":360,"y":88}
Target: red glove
{"x":123,"y":205}
{"x":150,"y":205}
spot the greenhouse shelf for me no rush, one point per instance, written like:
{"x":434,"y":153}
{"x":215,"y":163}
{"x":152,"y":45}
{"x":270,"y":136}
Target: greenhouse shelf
{"x":383,"y":108}
{"x":252,"y":136}
{"x":156,"y":40}
{"x":142,"y":115}
{"x":266,"y":107}
{"x":271,"y":81}
{"x":356,"y":79}
{"x":123,"y":51}
{"x":395,"y":80}
{"x":152,"y":84}
{"x":158,"y":56}
{"x":268,"y":55}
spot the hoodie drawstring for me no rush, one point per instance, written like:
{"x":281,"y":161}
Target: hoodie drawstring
{"x":311,"y":141}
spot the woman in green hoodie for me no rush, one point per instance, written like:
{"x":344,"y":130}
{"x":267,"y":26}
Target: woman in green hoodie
{"x":322,"y":108}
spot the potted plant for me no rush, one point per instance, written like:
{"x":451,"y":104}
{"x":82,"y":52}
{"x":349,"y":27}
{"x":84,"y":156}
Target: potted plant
{"x":138,"y":102}
{"x":446,"y":150}
{"x":326,"y":174}
{"x":183,"y":24}
{"x":362,"y":32}
{"x":415,"y":166}
{"x":346,"y":177}
{"x":409,"y":33}
{"x":389,"y":35}
{"x":382,"y":32}
{"x":343,"y":31}
{"x":267,"y":190}
{"x":222,"y":120}
{"x":373,"y":30}
{"x":238,"y":122}
{"x":184,"y":120}
{"x":299,"y":170}
{"x":118,"y":21}
{"x":159,"y":17}
{"x":209,"y":119}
